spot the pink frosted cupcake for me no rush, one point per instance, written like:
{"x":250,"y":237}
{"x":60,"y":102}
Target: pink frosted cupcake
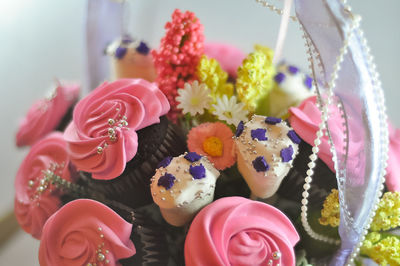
{"x":119,"y":135}
{"x":46,"y":115}
{"x":239,"y":231}
{"x":85,"y":232}
{"x":36,"y":198}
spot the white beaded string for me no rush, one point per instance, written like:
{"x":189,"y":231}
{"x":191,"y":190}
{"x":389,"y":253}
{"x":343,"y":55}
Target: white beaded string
{"x":274,"y":8}
{"x":380,"y":99}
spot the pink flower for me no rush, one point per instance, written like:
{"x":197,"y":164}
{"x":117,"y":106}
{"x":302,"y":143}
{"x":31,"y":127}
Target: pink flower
{"x":393,"y":168}
{"x":102,"y":136}
{"x":36,"y":199}
{"x":239,"y":231}
{"x":305,"y":120}
{"x":213,"y":140}
{"x":229,"y":57}
{"x":44,"y":115}
{"x":85,"y":232}
{"x":179,"y":53}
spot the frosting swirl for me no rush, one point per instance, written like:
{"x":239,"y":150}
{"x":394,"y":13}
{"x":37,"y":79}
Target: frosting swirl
{"x":393,"y":168}
{"x":35,"y":197}
{"x":85,"y":232}
{"x":102,"y":138}
{"x":45,"y":114}
{"x":305,"y":120}
{"x":239,"y":231}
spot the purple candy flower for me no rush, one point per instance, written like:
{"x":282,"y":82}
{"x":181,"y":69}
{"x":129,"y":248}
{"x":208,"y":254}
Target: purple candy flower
{"x":287,"y":154}
{"x":143,"y":48}
{"x":259,"y":134}
{"x":260,"y":164}
{"x":198,"y":172}
{"x":192,"y":157}
{"x":293,"y":136}
{"x":308,"y":82}
{"x":272,"y":120}
{"x":293,"y":69}
{"x":239,"y":129}
{"x":127,"y":40}
{"x":120,"y":52}
{"x":279,"y":77}
{"x":165,"y":162}
{"x":167,"y":181}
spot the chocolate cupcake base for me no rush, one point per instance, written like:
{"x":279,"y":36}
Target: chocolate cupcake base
{"x":132,"y":187}
{"x":324,"y":180}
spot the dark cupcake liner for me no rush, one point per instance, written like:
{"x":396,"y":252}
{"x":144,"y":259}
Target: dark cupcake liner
{"x":156,"y":242}
{"x":323,"y":180}
{"x":132,"y":187}
{"x":66,"y":119}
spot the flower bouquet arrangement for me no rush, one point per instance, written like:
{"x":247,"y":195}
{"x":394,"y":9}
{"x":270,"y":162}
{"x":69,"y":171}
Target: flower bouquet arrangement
{"x":197,"y":154}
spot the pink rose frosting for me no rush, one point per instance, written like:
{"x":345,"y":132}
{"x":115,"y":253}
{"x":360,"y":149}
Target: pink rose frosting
{"x":35,"y":198}
{"x":85,"y":232}
{"x":239,"y":231}
{"x":228,"y":56}
{"x":44,"y":115}
{"x":102,"y":136}
{"x":305,"y":120}
{"x":393,"y":168}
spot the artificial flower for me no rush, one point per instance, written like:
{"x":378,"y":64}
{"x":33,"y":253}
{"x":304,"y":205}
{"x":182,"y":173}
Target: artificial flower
{"x":210,"y":72}
{"x":255,"y":78}
{"x":178,"y":56}
{"x":330,"y":213}
{"x":85,"y":232}
{"x":230,"y":110}
{"x":384,"y":250}
{"x":193,"y":98}
{"x":239,"y":231}
{"x":213,"y":140}
{"x":387,"y":215}
{"x":228,"y":56}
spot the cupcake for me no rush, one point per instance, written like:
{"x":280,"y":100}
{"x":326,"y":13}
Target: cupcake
{"x":118,"y":136}
{"x":239,"y":231}
{"x":36,"y":196}
{"x":290,"y":89}
{"x":131,"y":59}
{"x":85,"y":232}
{"x":182,"y":186}
{"x":51,"y":113}
{"x":265,"y":148}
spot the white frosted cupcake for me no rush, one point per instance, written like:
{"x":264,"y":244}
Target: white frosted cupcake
{"x":291,"y":88}
{"x":182,"y":186}
{"x":265,"y":148}
{"x":131,"y":59}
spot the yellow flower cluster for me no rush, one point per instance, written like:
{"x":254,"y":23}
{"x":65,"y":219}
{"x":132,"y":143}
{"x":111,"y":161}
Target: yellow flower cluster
{"x":255,"y":77}
{"x":330,"y":213}
{"x":388,"y":214}
{"x":210,"y":73}
{"x":383,"y":250}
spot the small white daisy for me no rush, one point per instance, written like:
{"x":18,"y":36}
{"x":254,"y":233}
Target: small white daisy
{"x":194,"y":98}
{"x":230,"y":110}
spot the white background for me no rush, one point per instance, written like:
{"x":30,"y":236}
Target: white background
{"x":44,"y":39}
